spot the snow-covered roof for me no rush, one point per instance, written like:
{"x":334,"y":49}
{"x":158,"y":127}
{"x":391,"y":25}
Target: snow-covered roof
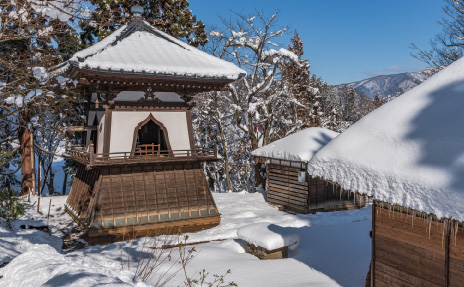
{"x":300,"y":146}
{"x":408,"y":152}
{"x":139,"y":48}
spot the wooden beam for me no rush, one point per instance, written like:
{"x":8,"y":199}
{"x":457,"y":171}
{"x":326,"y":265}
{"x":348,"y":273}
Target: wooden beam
{"x":373,"y":245}
{"x":107,"y":130}
{"x":81,"y":128}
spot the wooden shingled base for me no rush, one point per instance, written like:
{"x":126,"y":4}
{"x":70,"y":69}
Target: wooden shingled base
{"x":113,"y":201}
{"x":106,"y":236}
{"x":264,"y":254}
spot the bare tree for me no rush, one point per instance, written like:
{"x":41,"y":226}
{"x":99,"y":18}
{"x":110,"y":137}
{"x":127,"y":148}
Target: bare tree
{"x":446,"y":47}
{"x":260,"y":105}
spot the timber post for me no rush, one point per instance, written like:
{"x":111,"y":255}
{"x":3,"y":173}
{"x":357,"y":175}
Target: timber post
{"x":91,"y":153}
{"x":447,"y":227}
{"x":373,"y":245}
{"x":33,"y":167}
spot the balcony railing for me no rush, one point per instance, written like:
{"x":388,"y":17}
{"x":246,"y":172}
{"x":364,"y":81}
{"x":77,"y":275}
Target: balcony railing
{"x":89,"y":158}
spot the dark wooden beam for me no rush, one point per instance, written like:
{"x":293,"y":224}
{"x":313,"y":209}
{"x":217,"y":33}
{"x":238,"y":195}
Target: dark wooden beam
{"x":107,"y":129}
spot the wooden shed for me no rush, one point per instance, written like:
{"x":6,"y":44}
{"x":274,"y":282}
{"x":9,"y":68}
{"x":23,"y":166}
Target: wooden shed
{"x":139,"y":169}
{"x":288,"y":182}
{"x":408,"y":155}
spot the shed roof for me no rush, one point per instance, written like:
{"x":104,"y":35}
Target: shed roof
{"x":408,"y":152}
{"x":139,"y":48}
{"x":300,"y":146}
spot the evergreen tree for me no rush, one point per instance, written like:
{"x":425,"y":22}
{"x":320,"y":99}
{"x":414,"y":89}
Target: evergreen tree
{"x":296,"y":76}
{"x":34,"y":36}
{"x":170,"y":16}
{"x":377,"y":101}
{"x":350,"y":112}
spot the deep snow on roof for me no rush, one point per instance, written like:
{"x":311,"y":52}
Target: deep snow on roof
{"x":139,"y":47}
{"x":300,"y":146}
{"x":408,"y":152}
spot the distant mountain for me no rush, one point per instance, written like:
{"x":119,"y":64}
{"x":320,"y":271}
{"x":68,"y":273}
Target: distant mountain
{"x":388,"y":84}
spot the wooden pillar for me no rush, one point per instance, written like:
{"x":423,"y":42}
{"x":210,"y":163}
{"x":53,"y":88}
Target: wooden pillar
{"x":373,"y":245}
{"x":188,"y":114}
{"x":107,"y":129}
{"x":447,"y":250}
{"x":33,"y":191}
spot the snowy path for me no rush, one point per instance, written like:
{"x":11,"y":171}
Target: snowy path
{"x":334,"y":248}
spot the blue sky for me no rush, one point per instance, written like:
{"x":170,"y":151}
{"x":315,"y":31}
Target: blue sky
{"x":345,"y":40}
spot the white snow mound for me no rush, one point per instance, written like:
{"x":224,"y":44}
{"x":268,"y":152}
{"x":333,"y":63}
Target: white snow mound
{"x":300,"y":146}
{"x":408,"y":152}
{"x":42,"y":265}
{"x":268,"y":235}
{"x":14,"y":243}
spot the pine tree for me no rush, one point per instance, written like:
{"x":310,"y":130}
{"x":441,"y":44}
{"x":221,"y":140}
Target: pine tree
{"x":350,"y":112}
{"x":33,"y":36}
{"x":296,"y":76}
{"x":170,"y":16}
{"x":377,"y":100}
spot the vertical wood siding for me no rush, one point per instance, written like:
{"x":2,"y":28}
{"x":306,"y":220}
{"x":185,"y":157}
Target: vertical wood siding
{"x":313,"y":195}
{"x":415,"y":251}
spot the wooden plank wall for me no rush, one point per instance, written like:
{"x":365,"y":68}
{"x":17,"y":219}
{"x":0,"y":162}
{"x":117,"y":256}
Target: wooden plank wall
{"x":325,"y":196}
{"x":283,"y":187}
{"x":137,"y":195}
{"x":82,"y":190}
{"x":413,"y":251}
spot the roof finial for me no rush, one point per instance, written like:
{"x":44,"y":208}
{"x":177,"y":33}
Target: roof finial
{"x":137,"y":11}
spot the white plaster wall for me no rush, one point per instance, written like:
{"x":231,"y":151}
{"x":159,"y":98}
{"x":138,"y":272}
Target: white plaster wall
{"x":124,"y":123}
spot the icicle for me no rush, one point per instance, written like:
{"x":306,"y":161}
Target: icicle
{"x":413,"y":214}
{"x":429,"y":224}
{"x":456,"y":226}
{"x":443,"y":227}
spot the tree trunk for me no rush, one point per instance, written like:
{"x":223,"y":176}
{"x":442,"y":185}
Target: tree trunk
{"x":254,"y":145}
{"x":51,"y":184}
{"x":39,"y":177}
{"x":259,"y":179}
{"x":25,"y":142}
{"x":65,"y":182}
{"x":226,"y":156}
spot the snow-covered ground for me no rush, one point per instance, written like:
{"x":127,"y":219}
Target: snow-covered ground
{"x":334,"y":249}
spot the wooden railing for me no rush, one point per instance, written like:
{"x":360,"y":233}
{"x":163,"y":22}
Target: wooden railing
{"x":90,"y":158}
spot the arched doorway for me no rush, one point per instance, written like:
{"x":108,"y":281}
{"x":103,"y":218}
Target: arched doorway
{"x":150,"y":137}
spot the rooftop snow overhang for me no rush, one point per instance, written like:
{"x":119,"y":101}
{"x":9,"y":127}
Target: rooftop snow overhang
{"x":139,"y":52}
